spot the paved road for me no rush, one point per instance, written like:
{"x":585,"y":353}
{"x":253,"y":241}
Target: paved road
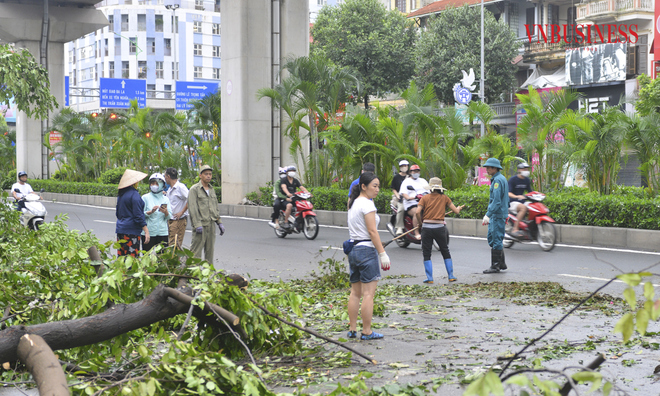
{"x":251,"y":248}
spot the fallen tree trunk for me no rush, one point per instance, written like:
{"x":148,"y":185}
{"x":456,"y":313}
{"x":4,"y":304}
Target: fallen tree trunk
{"x":43,"y":365}
{"x":115,"y":321}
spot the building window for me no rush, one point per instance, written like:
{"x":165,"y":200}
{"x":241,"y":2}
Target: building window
{"x":124,"y":70}
{"x":198,"y":72}
{"x":124,"y":22}
{"x":73,"y":74}
{"x":216,"y":73}
{"x":132,"y":47}
{"x":159,"y":23}
{"x":111,"y":69}
{"x":96,"y":72}
{"x":105,"y":47}
{"x":151,"y":45}
{"x":168,"y":47}
{"x":217,"y":5}
{"x":216,"y":28}
{"x":117,"y":46}
{"x":142,"y":23}
{"x":216,"y":51}
{"x":72,"y":56}
{"x":142,"y":69}
{"x":151,"y":90}
{"x":197,"y":27}
{"x":111,"y":22}
{"x":128,"y":2}
{"x":199,"y":5}
{"x":197,"y":50}
{"x":159,"y":69}
{"x":173,"y":71}
{"x":168,"y":92}
{"x":401,"y":5}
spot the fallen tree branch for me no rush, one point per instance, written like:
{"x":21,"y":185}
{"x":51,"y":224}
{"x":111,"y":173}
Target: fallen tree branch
{"x":79,"y":371}
{"x":566,"y":389}
{"x":42,"y":363}
{"x":186,"y":299}
{"x":312,"y":332}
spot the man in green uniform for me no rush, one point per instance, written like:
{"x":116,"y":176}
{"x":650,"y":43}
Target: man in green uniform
{"x":495,"y":218}
{"x":203,"y":210}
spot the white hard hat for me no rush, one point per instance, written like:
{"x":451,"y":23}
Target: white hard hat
{"x":403,"y":162}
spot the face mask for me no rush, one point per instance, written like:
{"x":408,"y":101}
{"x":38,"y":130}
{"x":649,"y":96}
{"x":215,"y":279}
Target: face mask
{"x":291,"y":174}
{"x":154,"y":189}
{"x":415,"y":175}
{"x":525,"y":173}
{"x":282,"y":176}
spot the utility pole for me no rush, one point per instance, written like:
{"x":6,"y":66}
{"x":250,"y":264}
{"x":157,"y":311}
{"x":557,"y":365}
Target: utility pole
{"x":175,"y":30}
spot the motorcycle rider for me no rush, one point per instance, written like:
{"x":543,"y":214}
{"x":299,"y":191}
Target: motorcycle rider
{"x":518,"y":186}
{"x":278,"y":202}
{"x":289,"y":185}
{"x":397,"y":199}
{"x":23,"y":190}
{"x":410,"y":195}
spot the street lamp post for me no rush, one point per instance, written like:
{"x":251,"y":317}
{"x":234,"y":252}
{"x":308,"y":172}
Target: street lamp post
{"x":482,"y":79}
{"x":175,"y":29}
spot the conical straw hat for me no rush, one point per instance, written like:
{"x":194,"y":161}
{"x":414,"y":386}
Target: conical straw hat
{"x":130,"y":177}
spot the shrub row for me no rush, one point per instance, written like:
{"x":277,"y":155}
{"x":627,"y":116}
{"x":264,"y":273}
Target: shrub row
{"x":105,"y":190}
{"x":627,"y":207}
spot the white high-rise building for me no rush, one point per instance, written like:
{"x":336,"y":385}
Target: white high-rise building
{"x":162,"y":41}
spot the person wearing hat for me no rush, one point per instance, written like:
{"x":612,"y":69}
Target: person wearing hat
{"x":279,"y":198}
{"x":431,"y":215}
{"x":495,"y":217}
{"x":410,"y":195}
{"x":156,"y":211}
{"x":518,"y":186}
{"x":397,"y":199}
{"x":203,"y":209}
{"x":130,"y":214}
{"x":21,"y":189}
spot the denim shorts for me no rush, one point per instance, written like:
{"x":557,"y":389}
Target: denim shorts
{"x":364,"y":265}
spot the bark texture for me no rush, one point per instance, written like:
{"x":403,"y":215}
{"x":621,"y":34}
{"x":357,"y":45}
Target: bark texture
{"x":43,"y":365}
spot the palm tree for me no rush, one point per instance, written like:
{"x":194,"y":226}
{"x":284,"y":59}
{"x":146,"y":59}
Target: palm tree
{"x":643,"y":136}
{"x":540,"y":132}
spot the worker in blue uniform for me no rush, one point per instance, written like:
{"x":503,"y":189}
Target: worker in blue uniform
{"x":495,"y":218}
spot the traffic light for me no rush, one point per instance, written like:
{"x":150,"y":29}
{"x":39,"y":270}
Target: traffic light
{"x":148,"y":135}
{"x":95,"y":114}
{"x":113,"y":116}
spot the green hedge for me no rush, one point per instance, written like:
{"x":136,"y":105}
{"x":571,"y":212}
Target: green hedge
{"x":626,"y":207}
{"x":105,"y":190}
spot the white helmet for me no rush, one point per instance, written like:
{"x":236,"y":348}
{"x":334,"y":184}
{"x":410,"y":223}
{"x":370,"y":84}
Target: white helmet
{"x":403,"y":162}
{"x":161,"y":181}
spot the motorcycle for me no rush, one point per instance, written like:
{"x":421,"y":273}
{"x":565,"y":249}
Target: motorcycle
{"x":302,"y":218}
{"x":537,"y":227}
{"x":34,"y":212}
{"x":407,"y":226}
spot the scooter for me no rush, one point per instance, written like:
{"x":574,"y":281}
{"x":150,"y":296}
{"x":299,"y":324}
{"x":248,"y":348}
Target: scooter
{"x":34,"y":212}
{"x":538,"y":227}
{"x":302,"y":218}
{"x":407,"y":226}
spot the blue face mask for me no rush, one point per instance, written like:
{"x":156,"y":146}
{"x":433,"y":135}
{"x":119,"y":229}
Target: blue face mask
{"x":154,"y":189}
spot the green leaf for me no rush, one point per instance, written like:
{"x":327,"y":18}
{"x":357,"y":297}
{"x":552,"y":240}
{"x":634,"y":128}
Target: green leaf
{"x":519,"y":379}
{"x":629,"y":295}
{"x":607,"y":388}
{"x":642,"y":320}
{"x":586,"y":376}
{"x":649,"y":292}
{"x":625,"y":326}
{"x":630,"y":279}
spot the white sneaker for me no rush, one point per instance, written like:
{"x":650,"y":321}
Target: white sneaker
{"x":272,"y":224}
{"x":399,"y":231}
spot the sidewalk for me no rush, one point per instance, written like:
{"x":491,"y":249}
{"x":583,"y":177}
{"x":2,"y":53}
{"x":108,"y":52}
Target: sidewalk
{"x":569,"y":234}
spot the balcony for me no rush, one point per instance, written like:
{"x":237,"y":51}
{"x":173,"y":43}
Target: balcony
{"x":615,"y":10}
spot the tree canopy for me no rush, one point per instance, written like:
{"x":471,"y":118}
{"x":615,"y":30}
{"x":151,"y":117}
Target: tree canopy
{"x":376,"y":43}
{"x":26,"y":81}
{"x":648,"y":100}
{"x":452,"y":43}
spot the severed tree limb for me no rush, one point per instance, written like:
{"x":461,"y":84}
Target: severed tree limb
{"x":312,"y":332}
{"x":115,"y":321}
{"x":77,"y":370}
{"x":43,"y":365}
{"x":186,"y":299}
{"x":566,"y":389}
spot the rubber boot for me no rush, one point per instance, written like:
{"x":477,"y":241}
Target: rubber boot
{"x":428,"y":267}
{"x":449,"y":265}
{"x":502,"y":261}
{"x":494,"y":262}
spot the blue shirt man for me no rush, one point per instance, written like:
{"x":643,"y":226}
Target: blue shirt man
{"x":367,"y":167}
{"x":495,"y":218}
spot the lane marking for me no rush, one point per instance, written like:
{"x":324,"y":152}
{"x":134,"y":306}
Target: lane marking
{"x":320,"y":225}
{"x":594,"y":278}
{"x":76,"y":204}
{"x":105,"y":221}
{"x":332,"y":247}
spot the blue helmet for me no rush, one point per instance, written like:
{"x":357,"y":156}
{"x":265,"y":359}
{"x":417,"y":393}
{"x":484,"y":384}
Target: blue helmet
{"x":494,"y":162}
{"x":21,"y":173}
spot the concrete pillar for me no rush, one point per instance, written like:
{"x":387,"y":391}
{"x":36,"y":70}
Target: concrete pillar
{"x":247,"y":143}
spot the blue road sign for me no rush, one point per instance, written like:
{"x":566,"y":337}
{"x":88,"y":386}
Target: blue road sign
{"x":66,"y":91}
{"x":117,"y":93}
{"x":187,"y":91}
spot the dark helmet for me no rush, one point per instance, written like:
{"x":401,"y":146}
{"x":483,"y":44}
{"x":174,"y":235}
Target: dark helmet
{"x":291,"y":168}
{"x":21,"y":173}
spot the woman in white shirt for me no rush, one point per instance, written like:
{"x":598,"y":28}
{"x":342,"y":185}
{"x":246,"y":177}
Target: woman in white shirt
{"x":366,"y":253}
